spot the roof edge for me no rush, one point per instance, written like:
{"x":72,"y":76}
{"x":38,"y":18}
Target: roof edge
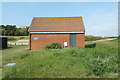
{"x":59,"y":17}
{"x":57,"y":31}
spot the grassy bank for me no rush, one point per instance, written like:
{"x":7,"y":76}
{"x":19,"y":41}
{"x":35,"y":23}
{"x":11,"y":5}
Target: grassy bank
{"x":98,"y":61}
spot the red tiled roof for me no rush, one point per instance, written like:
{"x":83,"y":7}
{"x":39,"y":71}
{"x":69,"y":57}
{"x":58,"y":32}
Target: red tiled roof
{"x":57,"y":24}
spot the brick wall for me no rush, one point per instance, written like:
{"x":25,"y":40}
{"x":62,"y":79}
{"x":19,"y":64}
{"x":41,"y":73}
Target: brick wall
{"x":80,"y":39}
{"x":44,"y":39}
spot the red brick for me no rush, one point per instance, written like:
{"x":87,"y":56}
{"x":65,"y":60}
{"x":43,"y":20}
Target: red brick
{"x":45,"y":39}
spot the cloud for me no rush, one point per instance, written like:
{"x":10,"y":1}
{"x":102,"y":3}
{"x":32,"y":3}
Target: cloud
{"x":102,"y":23}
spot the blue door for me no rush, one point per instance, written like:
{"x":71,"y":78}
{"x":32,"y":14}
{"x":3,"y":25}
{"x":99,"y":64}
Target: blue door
{"x":72,"y":40}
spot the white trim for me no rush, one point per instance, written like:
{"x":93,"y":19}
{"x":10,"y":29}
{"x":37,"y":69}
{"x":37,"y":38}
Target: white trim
{"x":61,"y":32}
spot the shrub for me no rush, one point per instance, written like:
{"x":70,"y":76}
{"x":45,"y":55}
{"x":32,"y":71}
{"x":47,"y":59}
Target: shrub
{"x":22,"y":37}
{"x":99,"y":66}
{"x":92,"y":38}
{"x":53,"y":46}
{"x":11,"y":38}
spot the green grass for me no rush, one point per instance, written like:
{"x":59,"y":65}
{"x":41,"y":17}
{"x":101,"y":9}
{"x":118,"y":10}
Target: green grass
{"x":0,"y":64}
{"x":100,"y":61}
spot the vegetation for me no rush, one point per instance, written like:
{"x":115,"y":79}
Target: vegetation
{"x":53,"y":46}
{"x":16,"y":38}
{"x":93,"y":38}
{"x":11,"y":39}
{"x":12,"y":30}
{"x":98,"y":61}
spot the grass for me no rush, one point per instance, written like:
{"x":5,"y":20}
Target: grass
{"x":99,"y":61}
{"x":0,"y":64}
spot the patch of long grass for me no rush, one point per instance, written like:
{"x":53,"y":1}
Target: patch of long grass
{"x":97,"y":62}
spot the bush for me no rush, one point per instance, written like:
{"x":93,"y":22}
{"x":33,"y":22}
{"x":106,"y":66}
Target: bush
{"x":22,"y":37}
{"x":92,"y":38}
{"x":53,"y":46}
{"x":99,"y":65}
{"x":11,"y":38}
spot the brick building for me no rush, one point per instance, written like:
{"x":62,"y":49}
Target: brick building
{"x":69,"y":31}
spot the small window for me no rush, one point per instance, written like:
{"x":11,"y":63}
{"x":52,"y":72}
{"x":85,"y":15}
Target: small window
{"x":35,"y":38}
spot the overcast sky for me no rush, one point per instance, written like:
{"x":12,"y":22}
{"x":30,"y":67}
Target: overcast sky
{"x":100,"y":18}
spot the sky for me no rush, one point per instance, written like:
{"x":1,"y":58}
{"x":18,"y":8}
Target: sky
{"x":100,"y":18}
